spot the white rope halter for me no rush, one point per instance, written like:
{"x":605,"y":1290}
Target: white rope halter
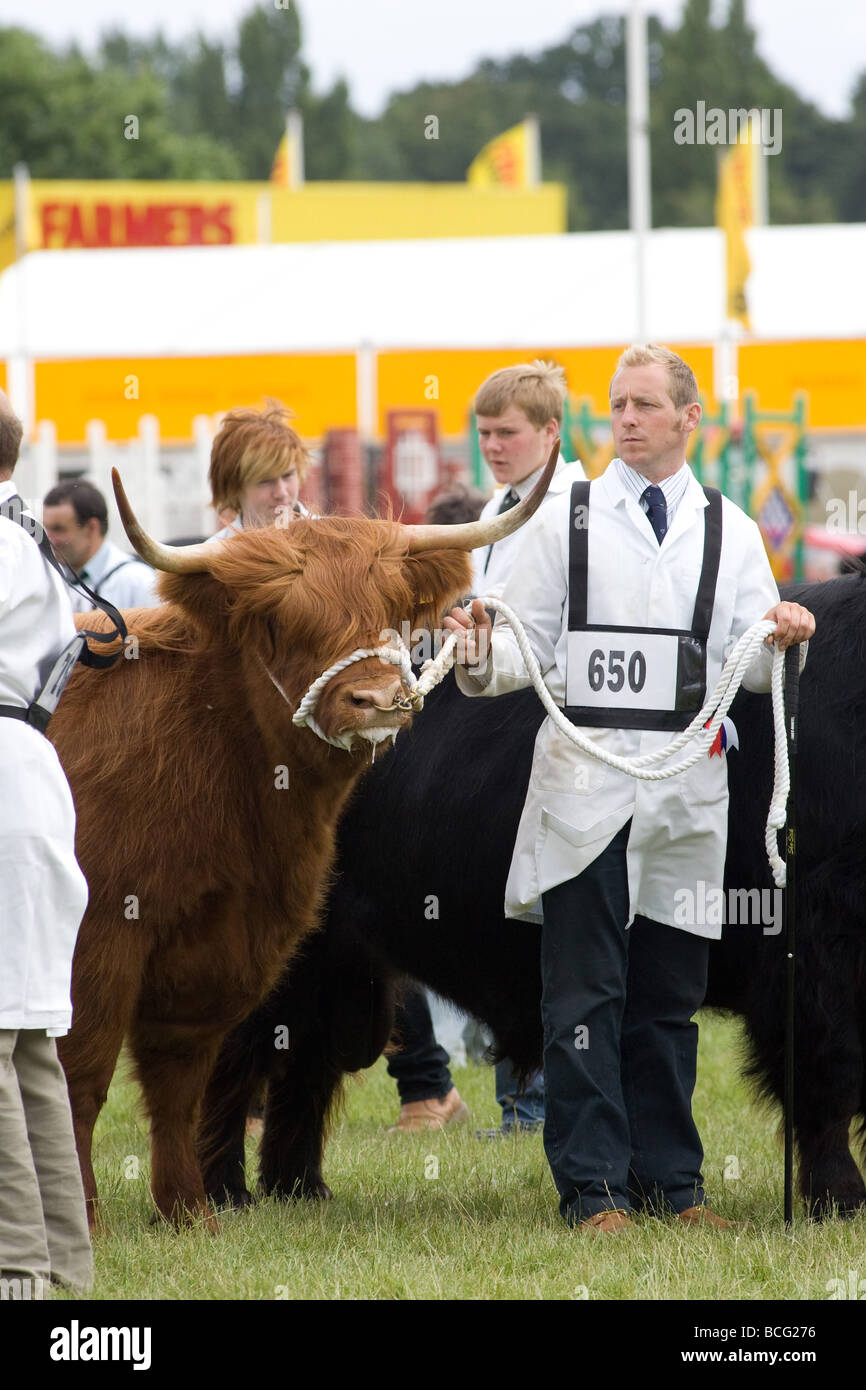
{"x":397,"y":656}
{"x":644,"y":767}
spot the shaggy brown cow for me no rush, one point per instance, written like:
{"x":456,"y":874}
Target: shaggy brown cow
{"x":206,"y":819}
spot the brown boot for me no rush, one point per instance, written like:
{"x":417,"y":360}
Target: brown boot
{"x":702,"y":1216}
{"x":431,"y":1114}
{"x":607,"y":1222}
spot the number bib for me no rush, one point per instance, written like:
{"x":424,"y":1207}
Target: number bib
{"x":633,"y":677}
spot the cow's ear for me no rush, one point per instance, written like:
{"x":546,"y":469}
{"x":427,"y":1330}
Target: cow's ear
{"x":201,"y":596}
{"x":437,"y":579}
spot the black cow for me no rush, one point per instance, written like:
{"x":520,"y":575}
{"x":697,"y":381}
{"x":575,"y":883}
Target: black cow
{"x":425,"y":849}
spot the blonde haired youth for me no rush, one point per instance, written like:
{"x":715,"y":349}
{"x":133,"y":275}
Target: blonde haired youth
{"x":250,"y":446}
{"x":537,"y":388}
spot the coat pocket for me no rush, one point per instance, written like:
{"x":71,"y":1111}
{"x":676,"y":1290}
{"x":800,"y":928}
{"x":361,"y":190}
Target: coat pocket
{"x":580,"y":836}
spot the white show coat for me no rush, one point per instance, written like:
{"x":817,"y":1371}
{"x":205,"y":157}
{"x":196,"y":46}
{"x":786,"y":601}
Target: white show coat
{"x":504,"y":553}
{"x":130,"y":583}
{"x":43,"y":893}
{"x":237,"y":526}
{"x":575,"y":805}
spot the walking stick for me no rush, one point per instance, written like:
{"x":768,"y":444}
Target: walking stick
{"x":792,"y":699}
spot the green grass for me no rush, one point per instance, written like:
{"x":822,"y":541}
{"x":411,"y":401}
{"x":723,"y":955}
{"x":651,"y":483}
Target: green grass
{"x":487,"y":1227}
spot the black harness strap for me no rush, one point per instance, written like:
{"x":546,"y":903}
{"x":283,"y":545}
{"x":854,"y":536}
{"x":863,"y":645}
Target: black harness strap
{"x":706,"y":595}
{"x":13,"y":509}
{"x":112,"y":572}
{"x":34,"y":715}
{"x":692,"y":645}
{"x":578,"y":557}
{"x":38,"y":714}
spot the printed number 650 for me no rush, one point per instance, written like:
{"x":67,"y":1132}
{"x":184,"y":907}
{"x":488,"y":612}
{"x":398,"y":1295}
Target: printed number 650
{"x":616,"y":674}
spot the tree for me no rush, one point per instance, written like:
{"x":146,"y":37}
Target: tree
{"x":217,"y":110}
{"x":272,"y":80}
{"x":200,"y":97}
{"x":848,"y":169}
{"x":330,"y":134}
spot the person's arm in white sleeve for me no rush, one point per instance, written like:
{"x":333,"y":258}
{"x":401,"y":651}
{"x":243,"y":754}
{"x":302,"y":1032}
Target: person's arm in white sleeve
{"x":537,"y":591}
{"x":758,"y":597}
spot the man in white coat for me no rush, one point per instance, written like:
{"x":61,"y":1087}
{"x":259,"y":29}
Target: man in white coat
{"x":43,"y":1221}
{"x":632,"y":591}
{"x":75,"y":517}
{"x":518,"y":413}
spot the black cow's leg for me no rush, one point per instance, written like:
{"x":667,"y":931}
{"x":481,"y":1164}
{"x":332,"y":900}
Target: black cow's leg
{"x":828,"y":1062}
{"x":828,"y":1074}
{"x":349,"y":1034}
{"x":296,"y":1112}
{"x":830,"y":1180}
{"x":237,"y":1074}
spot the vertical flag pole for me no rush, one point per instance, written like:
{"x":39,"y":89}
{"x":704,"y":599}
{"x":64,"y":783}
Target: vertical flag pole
{"x":637,"y":89}
{"x":792,"y":701}
{"x":295,"y":144}
{"x":533,"y":151}
{"x":21,"y":382}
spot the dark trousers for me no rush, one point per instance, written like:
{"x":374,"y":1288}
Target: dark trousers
{"x":620,"y":1049}
{"x":420,"y":1068}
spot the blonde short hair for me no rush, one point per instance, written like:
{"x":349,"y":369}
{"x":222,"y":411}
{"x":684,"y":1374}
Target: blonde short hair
{"x":253,"y":445}
{"x":537,"y":388}
{"x":682,"y":383}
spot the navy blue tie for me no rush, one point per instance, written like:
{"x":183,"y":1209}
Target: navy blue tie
{"x":510,"y":500}
{"x":657,"y":511}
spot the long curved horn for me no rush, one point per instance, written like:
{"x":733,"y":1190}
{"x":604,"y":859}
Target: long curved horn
{"x":469,"y":535}
{"x":175,"y":559}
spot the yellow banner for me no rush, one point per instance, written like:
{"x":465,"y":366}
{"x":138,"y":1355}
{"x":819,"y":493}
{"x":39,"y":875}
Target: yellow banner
{"x":735,"y":211}
{"x":7,"y":225}
{"x":510,"y":160}
{"x":69,"y":215}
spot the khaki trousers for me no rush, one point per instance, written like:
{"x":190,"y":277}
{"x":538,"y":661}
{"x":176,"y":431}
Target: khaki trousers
{"x":43,"y":1218}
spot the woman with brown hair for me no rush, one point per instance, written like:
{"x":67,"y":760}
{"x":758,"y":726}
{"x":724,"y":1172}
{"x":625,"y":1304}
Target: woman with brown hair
{"x":257,"y":465}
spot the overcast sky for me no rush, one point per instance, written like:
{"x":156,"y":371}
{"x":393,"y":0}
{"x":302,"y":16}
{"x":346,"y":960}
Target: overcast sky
{"x":386,"y":45}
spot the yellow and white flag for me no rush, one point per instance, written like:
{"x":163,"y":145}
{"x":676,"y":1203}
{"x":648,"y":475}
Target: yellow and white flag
{"x":510,"y":160}
{"x":736,"y":209}
{"x":280,"y":166}
{"x":287,"y":169}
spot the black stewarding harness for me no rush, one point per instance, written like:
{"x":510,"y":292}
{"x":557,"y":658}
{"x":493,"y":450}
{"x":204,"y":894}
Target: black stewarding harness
{"x":39,"y":711}
{"x":620,"y":677}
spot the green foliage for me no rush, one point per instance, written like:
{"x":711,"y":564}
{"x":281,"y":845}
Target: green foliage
{"x":217,"y":110}
{"x":66,"y":119}
{"x":272,"y":79}
{"x":330,"y":134}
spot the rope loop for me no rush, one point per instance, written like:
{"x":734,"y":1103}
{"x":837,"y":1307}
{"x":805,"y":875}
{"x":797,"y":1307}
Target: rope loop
{"x":646,"y":767}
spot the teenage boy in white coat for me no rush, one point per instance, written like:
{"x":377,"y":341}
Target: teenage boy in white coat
{"x":43,"y":1220}
{"x":518,"y":413}
{"x":612,"y":588}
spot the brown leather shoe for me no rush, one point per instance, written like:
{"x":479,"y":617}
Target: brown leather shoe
{"x":607,"y":1221}
{"x":702,"y":1216}
{"x":431,"y":1114}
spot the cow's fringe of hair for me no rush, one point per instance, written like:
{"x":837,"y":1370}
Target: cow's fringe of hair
{"x":342,"y":602}
{"x":340,"y":605}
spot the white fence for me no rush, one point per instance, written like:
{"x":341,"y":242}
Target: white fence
{"x":166,"y":486}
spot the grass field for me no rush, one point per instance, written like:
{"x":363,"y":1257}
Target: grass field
{"x":445,"y":1215}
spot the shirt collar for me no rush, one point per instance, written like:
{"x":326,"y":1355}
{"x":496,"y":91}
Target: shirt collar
{"x":100,"y":562}
{"x":622,"y":482}
{"x":525,"y":486}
